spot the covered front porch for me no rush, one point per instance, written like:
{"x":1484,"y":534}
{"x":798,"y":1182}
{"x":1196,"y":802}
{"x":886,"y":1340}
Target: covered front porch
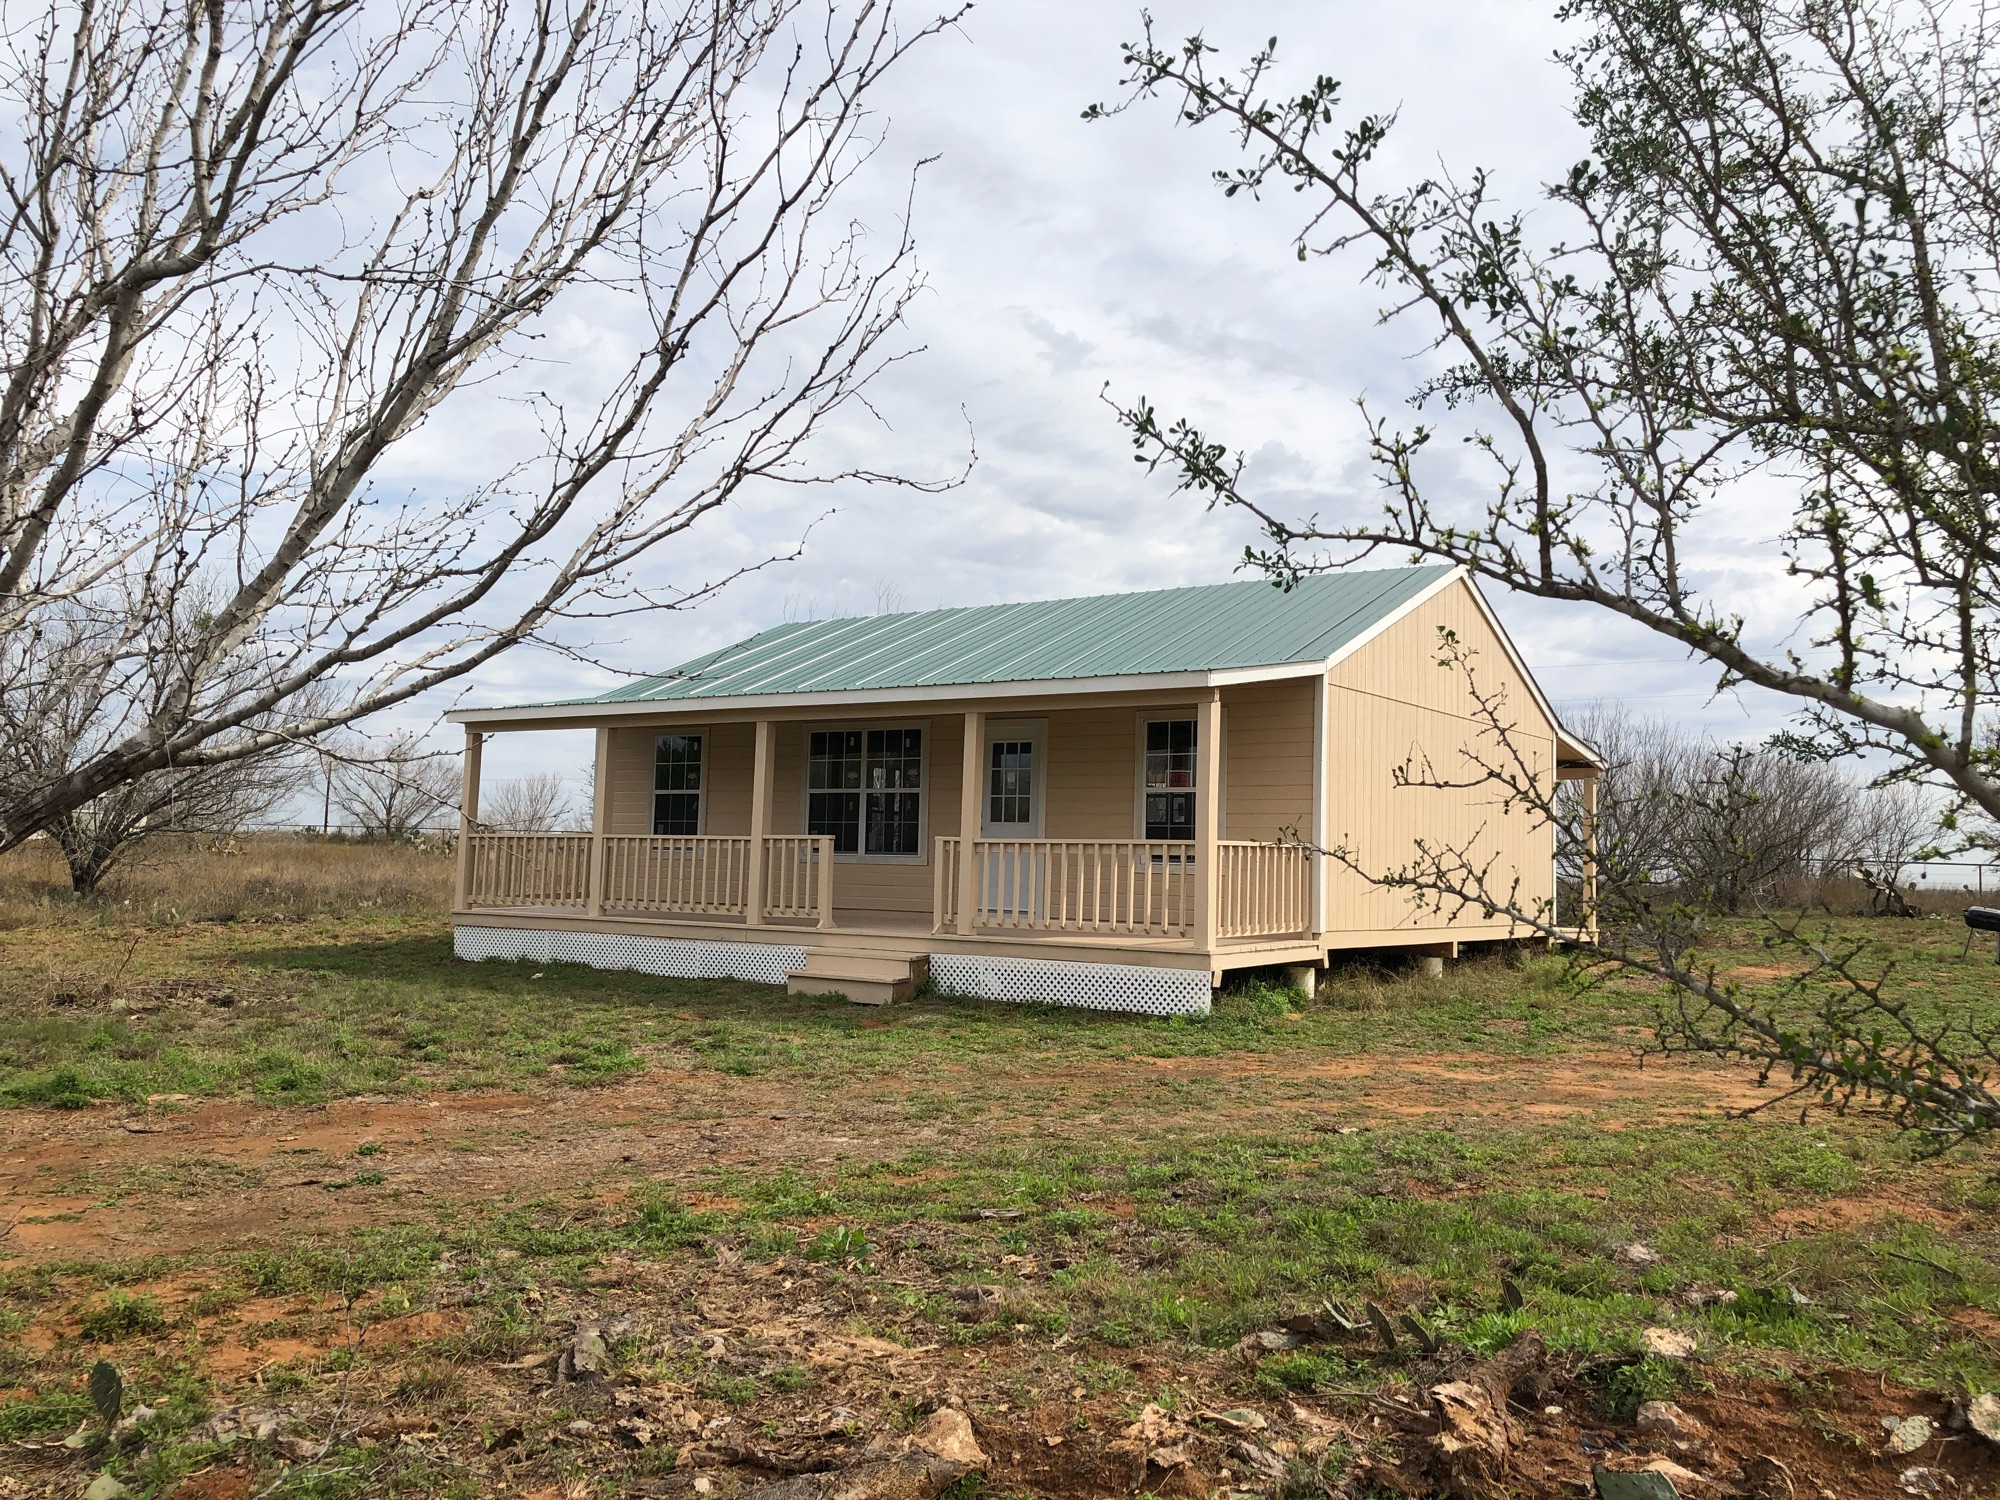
{"x":753,"y":872}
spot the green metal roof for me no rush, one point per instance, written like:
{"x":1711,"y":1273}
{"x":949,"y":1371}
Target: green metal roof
{"x":1205,"y":629}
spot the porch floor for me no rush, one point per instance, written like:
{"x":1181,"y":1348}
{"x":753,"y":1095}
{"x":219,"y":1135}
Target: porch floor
{"x":856,"y":929}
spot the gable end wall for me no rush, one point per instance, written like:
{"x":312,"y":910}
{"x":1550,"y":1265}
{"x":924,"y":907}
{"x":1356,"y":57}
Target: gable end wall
{"x":1391,"y":703}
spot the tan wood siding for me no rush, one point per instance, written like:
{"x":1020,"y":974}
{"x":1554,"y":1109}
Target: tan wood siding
{"x":1391,"y":702}
{"x":1090,"y":780}
{"x":1267,"y":760}
{"x":630,"y":758}
{"x":726,"y":754}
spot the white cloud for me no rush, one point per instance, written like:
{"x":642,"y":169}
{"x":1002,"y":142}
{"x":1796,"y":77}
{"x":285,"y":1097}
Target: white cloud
{"x":1066,"y":257}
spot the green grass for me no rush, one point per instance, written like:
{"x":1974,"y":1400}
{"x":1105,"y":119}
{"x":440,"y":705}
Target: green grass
{"x":1111,"y":1189}
{"x":369,"y":1008}
{"x":330,"y":1008}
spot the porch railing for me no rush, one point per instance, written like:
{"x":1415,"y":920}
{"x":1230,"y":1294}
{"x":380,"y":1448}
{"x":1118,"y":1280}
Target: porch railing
{"x":528,"y":869}
{"x":705,"y":876}
{"x":1123,"y":887}
{"x":657,"y":872}
{"x":1266,"y":890}
{"x":798,"y":877}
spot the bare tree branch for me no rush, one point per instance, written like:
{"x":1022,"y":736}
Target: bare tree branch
{"x":255,"y":257}
{"x":1780,"y":275}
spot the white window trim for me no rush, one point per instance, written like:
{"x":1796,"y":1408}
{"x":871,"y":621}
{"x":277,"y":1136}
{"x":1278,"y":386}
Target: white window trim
{"x":862,"y":857}
{"x":1146,"y":716}
{"x":686,"y":732}
{"x":1035,"y":731}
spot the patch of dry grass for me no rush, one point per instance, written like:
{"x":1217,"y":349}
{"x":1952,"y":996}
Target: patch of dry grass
{"x":271,"y":876}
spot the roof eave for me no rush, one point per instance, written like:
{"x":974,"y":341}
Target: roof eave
{"x":595,"y":712}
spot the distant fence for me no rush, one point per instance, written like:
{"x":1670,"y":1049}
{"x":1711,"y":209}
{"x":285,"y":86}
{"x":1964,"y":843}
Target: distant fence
{"x":1925,"y":875}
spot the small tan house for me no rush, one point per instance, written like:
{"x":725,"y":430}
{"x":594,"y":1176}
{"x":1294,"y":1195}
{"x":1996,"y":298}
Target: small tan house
{"x":1102,"y":801}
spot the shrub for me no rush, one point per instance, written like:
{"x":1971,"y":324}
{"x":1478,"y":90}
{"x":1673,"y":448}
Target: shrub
{"x":62,"y":1089}
{"x":842,"y":1242}
{"x":1631,"y":1386}
{"x":122,"y":1316}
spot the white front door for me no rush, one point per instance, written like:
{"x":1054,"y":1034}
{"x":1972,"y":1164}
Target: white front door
{"x":1010,"y":807}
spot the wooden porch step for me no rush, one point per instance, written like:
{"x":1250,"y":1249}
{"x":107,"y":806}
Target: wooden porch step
{"x":866,"y":978}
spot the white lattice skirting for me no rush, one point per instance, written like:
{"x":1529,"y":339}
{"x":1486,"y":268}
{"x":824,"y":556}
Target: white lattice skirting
{"x":1153,"y":992}
{"x":672,"y":958}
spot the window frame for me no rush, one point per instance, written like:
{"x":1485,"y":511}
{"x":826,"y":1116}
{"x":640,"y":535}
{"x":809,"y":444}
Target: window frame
{"x":838,"y":726}
{"x":1160,"y":715}
{"x":653,"y":793}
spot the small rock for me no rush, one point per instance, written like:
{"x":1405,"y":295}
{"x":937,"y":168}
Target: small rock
{"x":1645,"y":1484}
{"x":1260,"y":1459}
{"x":1923,"y":1481}
{"x":947,"y":1434}
{"x":1677,"y":1475}
{"x":1237,"y":1419}
{"x":1665,"y":1420}
{"x":1666,"y":1343}
{"x":1636,"y":1254}
{"x":586,"y":1356}
{"x":104,"y":1487}
{"x":1173,"y":1457}
{"x":581,"y":1428}
{"x":1699,"y":1296}
{"x":1982,"y":1414}
{"x":1273,"y":1339}
{"x":1906,"y":1434}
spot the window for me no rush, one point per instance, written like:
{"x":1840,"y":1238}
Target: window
{"x":1010,"y":778}
{"x":1169,"y":779}
{"x":677,"y":784}
{"x":864,"y":789}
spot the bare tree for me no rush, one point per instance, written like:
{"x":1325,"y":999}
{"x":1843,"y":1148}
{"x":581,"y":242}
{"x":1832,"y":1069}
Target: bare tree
{"x":539,"y":803}
{"x":251,"y":255}
{"x":214,"y":799}
{"x":1776,"y":274}
{"x":394,"y":789}
{"x":47,"y":713}
{"x":1740,"y":825}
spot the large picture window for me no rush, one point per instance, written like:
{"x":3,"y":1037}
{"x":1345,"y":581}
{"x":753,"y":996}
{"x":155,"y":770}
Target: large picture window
{"x":864,"y":789}
{"x":1169,"y":788}
{"x":677,"y":784}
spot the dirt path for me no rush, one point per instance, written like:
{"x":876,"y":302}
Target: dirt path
{"x":184,"y":1174}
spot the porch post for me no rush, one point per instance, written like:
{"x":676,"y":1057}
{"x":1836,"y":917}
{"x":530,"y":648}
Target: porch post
{"x":968,"y":819}
{"x":600,"y":818}
{"x":1317,"y":865}
{"x":760,"y":807}
{"x":1207,"y":818}
{"x":1589,"y":882}
{"x":468,"y":816}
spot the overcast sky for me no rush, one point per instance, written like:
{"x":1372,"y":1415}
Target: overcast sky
{"x":1064,"y":258}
